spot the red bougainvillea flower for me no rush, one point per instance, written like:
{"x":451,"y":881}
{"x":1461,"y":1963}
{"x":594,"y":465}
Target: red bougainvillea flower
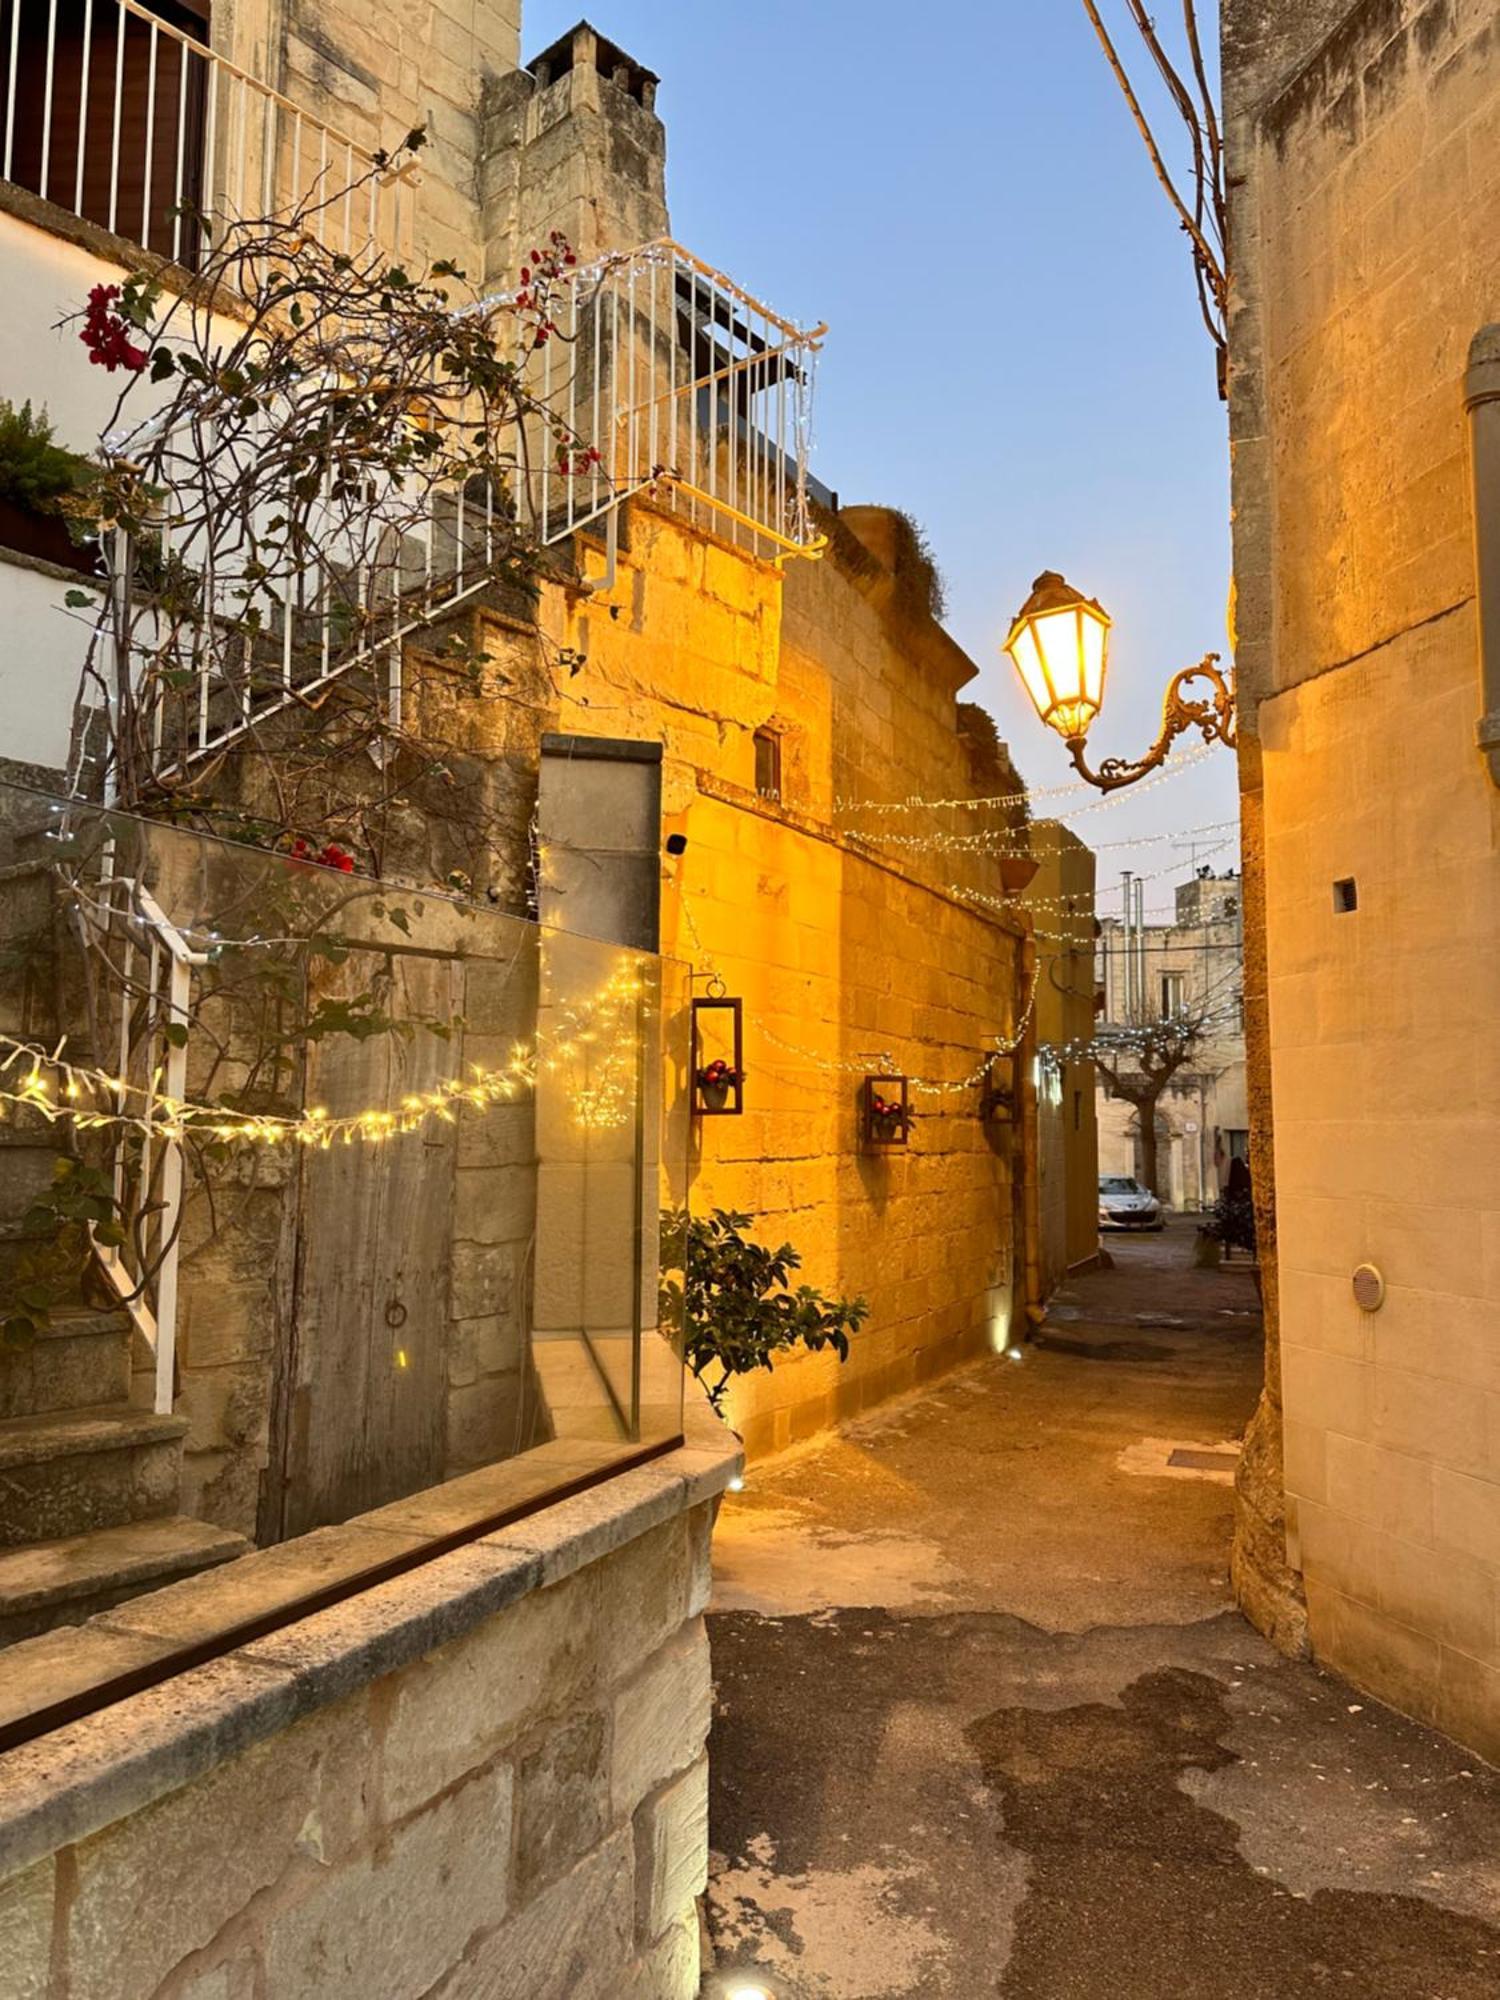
{"x":106,"y":333}
{"x":331,"y":856}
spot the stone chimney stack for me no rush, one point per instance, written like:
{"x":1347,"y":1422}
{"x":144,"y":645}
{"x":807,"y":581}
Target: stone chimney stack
{"x":570,"y":142}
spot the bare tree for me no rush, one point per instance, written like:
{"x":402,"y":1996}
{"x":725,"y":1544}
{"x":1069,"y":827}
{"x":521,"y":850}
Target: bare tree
{"x":1202,"y":213}
{"x":1139,"y":1061}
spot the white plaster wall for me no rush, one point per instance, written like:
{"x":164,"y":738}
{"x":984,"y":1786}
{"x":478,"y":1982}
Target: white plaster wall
{"x":41,"y":655}
{"x":43,"y":279}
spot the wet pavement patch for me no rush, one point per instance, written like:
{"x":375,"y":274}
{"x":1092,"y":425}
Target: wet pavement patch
{"x":917,"y":1807}
{"x":1135,"y":1888}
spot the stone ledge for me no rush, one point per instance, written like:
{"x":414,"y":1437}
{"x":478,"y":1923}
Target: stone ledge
{"x":80,"y":1778}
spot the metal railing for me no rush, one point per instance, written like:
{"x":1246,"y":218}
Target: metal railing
{"x":674,"y":382}
{"x":111,"y":112}
{"x":684,"y":383}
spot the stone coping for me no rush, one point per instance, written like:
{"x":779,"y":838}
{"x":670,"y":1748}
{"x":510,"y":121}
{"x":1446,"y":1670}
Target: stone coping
{"x":84,"y":1776}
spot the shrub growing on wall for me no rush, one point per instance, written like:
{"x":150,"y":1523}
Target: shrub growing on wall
{"x":734,"y":1303}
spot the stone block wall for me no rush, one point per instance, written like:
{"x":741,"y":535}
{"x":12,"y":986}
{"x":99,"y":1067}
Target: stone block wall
{"x":849,"y":959}
{"x":1062,"y":898}
{"x":1365,"y":153}
{"x":485,"y":1779}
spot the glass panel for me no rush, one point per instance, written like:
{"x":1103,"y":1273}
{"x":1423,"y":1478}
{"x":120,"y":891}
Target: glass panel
{"x":1057,"y":636}
{"x":1029,"y":665}
{"x":354,"y":1185}
{"x":1094,"y":635}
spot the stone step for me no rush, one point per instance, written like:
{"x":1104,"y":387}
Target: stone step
{"x":78,"y":1361}
{"x":69,"y":1473}
{"x":64,"y":1582}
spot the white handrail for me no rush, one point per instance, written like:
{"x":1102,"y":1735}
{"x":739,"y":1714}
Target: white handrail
{"x":158,"y":1328}
{"x":675,"y":381}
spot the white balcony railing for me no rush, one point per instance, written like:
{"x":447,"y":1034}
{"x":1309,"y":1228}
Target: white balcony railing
{"x":113,"y":113}
{"x":683,"y":386}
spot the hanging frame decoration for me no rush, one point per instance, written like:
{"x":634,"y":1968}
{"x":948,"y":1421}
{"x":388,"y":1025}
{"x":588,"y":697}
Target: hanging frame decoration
{"x":716,"y":1060}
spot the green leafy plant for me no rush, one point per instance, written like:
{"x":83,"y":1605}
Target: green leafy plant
{"x":734,"y":1302}
{"x":81,"y":1197}
{"x":35,"y":470}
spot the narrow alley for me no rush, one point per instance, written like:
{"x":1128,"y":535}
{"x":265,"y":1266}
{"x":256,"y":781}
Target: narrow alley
{"x":988,"y":1723}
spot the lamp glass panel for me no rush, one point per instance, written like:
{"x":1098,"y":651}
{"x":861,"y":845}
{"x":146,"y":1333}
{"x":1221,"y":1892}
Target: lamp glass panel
{"x":1023,"y":650}
{"x":1095,"y":639}
{"x":1058,"y":639}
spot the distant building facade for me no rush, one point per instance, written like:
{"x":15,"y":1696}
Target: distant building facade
{"x":1191,"y":967}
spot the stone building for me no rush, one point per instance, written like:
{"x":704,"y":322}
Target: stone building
{"x":1061,"y":901}
{"x":1192,"y":966}
{"x":1364,"y":177}
{"x":678,"y":736}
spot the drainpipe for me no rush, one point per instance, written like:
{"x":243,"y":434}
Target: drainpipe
{"x":1127,"y":959}
{"x":1143,"y":989}
{"x":1034,"y":1305}
{"x":1482,"y":401}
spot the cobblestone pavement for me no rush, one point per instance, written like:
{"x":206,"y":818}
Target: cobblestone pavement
{"x":989,"y":1724}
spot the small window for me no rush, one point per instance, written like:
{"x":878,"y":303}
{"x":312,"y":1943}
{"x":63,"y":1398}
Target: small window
{"x":1345,"y":896}
{"x":1173,"y":994}
{"x":768,"y":764}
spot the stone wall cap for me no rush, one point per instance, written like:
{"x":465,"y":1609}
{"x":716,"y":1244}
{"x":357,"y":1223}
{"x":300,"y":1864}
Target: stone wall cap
{"x":77,"y":1779}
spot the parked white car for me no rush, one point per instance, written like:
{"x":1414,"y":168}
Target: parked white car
{"x":1125,"y":1204}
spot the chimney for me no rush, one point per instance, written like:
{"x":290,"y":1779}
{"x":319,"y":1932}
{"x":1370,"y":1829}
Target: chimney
{"x":571,"y":142}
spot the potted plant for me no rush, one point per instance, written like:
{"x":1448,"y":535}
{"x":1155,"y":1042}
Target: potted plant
{"x":733,"y":1303}
{"x":37,"y":475}
{"x":888,"y":1112}
{"x":716,"y":1081}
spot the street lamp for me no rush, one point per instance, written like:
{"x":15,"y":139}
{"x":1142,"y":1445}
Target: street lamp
{"x":1060,"y":647}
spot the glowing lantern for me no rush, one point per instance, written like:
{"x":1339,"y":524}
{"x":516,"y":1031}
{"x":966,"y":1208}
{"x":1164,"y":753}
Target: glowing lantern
{"x":1060,"y":643}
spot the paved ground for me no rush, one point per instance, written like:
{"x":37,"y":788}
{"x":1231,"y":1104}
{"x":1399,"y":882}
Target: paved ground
{"x":988,"y":1723}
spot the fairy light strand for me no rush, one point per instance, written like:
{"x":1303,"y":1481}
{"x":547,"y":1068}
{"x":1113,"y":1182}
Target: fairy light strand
{"x":603,"y":1092}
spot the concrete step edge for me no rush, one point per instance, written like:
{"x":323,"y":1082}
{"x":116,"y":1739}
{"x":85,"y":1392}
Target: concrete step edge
{"x":78,"y":1433}
{"x":44,"y":1575}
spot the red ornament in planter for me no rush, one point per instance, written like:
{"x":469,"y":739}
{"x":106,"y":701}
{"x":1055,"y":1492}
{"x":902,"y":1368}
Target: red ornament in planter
{"x":887,"y":1113}
{"x":717,"y":1057}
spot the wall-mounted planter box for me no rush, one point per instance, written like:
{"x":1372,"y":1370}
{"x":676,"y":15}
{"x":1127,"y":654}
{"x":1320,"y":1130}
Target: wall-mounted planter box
{"x":44,"y":536}
{"x":997,"y":1093}
{"x":885,"y":1112}
{"x":718,"y":1057}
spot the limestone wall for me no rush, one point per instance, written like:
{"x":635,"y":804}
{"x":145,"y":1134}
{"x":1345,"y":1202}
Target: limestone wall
{"x":843,"y":954}
{"x":1368,"y":253}
{"x":484,"y":1779}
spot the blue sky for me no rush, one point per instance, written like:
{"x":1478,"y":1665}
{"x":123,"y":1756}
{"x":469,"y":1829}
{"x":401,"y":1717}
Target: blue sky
{"x":1015,"y":355}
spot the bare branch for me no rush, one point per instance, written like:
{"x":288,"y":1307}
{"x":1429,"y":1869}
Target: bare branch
{"x":1205,"y":221}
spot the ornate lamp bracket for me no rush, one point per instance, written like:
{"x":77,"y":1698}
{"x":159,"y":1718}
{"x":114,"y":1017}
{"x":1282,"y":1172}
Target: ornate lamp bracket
{"x":1212,"y":713}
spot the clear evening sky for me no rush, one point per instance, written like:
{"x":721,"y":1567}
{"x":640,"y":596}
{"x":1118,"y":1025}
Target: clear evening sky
{"x":1015,"y":355}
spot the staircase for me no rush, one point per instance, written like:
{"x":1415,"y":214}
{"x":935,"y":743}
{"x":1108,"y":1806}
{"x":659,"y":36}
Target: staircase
{"x":89,"y":1482}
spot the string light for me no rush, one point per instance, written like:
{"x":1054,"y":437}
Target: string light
{"x":1166,"y":1035}
{"x":988,"y":840}
{"x":883,"y":1059}
{"x":602,"y":1094}
{"x":1000,"y":800}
